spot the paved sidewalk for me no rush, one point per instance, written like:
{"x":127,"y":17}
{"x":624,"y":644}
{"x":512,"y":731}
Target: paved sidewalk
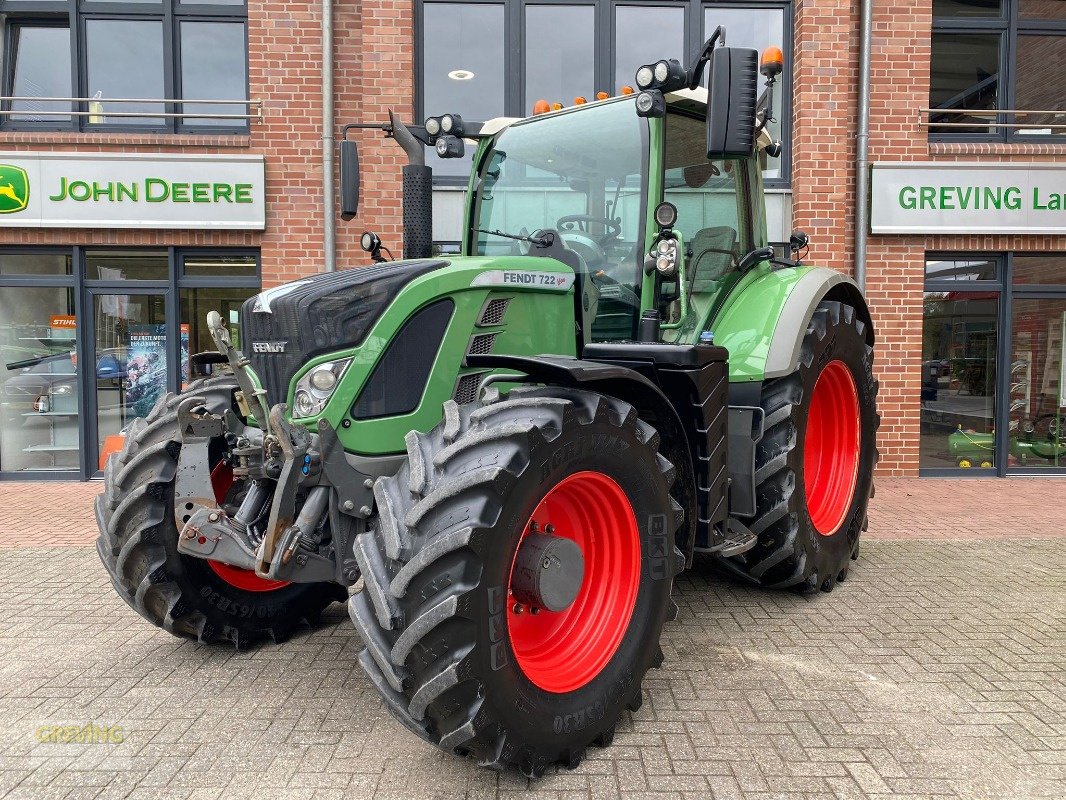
{"x":936,"y":671}
{"x":44,"y":514}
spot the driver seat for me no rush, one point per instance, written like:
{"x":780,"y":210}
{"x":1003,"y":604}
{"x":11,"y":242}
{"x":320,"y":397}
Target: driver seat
{"x":713,"y":254}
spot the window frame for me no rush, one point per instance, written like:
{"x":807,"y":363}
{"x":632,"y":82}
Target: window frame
{"x":74,"y":14}
{"x":1010,"y":25}
{"x":515,"y":104}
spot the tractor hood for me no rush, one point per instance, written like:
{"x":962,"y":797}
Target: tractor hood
{"x":283,"y":327}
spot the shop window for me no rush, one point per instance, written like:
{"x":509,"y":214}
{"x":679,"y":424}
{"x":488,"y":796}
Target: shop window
{"x":526,"y":51}
{"x":39,"y":399}
{"x":129,"y":59}
{"x":216,"y":265}
{"x":961,"y":269}
{"x":989,"y":56}
{"x":958,"y":395}
{"x":1037,"y":425}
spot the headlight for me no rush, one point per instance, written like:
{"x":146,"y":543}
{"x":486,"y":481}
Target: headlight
{"x":661,"y":71}
{"x":665,"y":254}
{"x":433,"y":126}
{"x":315,"y":388}
{"x":645,"y":76}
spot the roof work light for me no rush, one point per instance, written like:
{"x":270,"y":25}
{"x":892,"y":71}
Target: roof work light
{"x":666,"y":75}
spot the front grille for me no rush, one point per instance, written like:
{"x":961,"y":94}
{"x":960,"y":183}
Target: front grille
{"x":492,"y":313}
{"x":319,"y":315}
{"x":482,"y":344}
{"x":466,"y":388}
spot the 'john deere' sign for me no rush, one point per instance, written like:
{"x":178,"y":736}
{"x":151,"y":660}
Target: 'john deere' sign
{"x":968,"y":198}
{"x":112,"y":190}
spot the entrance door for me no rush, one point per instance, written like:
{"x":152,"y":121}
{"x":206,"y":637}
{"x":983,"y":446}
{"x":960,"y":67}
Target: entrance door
{"x":130,"y":357}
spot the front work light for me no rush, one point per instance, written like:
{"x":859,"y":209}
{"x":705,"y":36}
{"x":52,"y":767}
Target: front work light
{"x":651,"y":104}
{"x":433,"y":126}
{"x":449,"y":146}
{"x":667,"y":76}
{"x":452,"y":124}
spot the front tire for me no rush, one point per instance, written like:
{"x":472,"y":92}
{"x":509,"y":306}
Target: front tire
{"x":814,"y":465}
{"x":185,"y":595}
{"x":456,"y":657}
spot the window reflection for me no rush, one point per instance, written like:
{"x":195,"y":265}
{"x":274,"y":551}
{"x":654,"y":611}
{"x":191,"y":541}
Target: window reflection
{"x":958,"y":395}
{"x":125,"y":60}
{"x":1037,"y":392}
{"x":213,"y":67}
{"x":560,"y":54}
{"x":463,"y":68}
{"x":41,"y":58}
{"x":645,"y":35}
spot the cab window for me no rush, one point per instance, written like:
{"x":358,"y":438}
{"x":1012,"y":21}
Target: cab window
{"x":710,"y":200}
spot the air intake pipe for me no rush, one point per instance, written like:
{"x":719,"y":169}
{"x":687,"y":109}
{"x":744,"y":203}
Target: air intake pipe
{"x":417,"y":193}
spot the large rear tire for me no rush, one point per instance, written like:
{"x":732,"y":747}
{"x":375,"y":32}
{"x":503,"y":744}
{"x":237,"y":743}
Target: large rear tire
{"x":814,"y":465}
{"x":457,"y":658}
{"x":187,"y":596}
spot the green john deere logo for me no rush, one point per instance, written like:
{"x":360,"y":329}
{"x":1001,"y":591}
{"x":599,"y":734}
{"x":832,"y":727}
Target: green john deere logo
{"x":14,"y":189}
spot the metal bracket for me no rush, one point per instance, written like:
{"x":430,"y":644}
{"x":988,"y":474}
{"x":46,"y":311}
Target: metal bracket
{"x":209,"y":534}
{"x":192,"y":481}
{"x":294,"y":442}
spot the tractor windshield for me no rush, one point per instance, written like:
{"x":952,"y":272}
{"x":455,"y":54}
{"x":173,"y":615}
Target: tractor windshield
{"x":581,"y":173}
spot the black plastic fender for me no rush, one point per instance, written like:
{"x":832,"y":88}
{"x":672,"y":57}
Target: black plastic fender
{"x":626,"y":384}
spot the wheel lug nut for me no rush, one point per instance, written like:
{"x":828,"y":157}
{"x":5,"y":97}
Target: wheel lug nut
{"x":534,"y":611}
{"x":517,"y":608}
{"x":549,"y":528}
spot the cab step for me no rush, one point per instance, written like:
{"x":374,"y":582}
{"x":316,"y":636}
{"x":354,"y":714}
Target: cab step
{"x":739,"y":539}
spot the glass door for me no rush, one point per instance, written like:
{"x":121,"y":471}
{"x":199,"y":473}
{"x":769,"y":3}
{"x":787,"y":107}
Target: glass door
{"x":130,"y":358}
{"x":1037,"y":393}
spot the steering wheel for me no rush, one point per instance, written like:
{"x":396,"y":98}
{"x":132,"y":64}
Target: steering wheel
{"x":612,"y":289}
{"x":584,"y":222}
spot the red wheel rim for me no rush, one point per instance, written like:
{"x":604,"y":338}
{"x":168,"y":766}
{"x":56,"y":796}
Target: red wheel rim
{"x":831,"y":447}
{"x":246,"y":579}
{"x":563,"y":651}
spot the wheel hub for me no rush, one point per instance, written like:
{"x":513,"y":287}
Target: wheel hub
{"x":548,"y":572}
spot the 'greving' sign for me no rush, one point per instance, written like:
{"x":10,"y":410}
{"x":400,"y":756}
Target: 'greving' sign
{"x":120,"y":190}
{"x":958,"y":197}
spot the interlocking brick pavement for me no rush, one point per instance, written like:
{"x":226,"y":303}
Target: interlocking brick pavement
{"x":936,"y":671}
{"x":43,"y":514}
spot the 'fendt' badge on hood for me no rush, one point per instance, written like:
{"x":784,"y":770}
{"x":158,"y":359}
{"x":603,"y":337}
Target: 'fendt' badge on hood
{"x":269,"y":347}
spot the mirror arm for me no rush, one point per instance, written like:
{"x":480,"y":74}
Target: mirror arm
{"x":695,"y":72}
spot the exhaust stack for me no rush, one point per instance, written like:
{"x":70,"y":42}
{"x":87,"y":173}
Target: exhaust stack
{"x":417,"y":193}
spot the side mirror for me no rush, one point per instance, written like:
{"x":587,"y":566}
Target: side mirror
{"x":349,"y":179}
{"x":731,"y":104}
{"x":749,"y":260}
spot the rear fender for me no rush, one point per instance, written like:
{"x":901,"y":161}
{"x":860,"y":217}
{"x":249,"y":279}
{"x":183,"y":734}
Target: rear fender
{"x":763,"y":323}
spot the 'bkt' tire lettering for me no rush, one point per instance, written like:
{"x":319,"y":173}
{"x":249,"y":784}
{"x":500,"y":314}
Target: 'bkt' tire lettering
{"x":569,"y":723}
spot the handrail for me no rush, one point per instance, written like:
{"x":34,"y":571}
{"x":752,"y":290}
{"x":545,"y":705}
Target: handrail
{"x":993,"y":113}
{"x":254,"y":108}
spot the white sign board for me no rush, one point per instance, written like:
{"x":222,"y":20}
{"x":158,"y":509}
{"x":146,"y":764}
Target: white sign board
{"x":122,"y":190}
{"x":954,"y":197}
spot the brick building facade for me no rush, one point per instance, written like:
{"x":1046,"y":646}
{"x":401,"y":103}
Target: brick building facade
{"x":378,"y":65}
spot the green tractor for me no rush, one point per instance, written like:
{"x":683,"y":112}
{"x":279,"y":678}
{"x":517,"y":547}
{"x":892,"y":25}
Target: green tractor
{"x":501,"y":459}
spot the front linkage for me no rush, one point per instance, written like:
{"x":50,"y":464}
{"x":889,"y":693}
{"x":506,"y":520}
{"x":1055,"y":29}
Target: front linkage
{"x":280,"y":463}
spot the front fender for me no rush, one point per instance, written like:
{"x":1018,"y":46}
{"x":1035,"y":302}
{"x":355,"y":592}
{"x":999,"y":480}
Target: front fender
{"x":763,"y":323}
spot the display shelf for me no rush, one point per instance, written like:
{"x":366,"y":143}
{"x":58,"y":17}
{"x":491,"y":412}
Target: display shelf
{"x":51,"y":448}
{"x":50,"y":414}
